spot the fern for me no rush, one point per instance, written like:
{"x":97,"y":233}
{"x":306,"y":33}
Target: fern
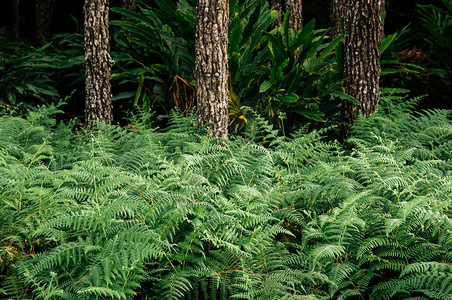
{"x":116,"y":213}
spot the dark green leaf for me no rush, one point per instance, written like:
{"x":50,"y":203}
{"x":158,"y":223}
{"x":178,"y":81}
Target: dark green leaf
{"x":384,"y":44}
{"x":344,"y":96}
{"x":288,"y":98}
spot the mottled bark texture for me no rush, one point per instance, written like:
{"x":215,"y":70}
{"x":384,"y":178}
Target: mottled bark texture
{"x":295,"y":14}
{"x":211,"y":69}
{"x":336,"y":16}
{"x":97,"y":63}
{"x":43,"y":15}
{"x":295,"y":9}
{"x":362,"y":34}
{"x":276,"y":5}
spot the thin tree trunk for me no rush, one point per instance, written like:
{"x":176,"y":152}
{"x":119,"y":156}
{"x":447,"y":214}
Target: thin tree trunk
{"x":362,"y":34}
{"x":43,"y":15}
{"x":211,"y":70}
{"x":98,"y":106}
{"x":15,"y":30}
{"x":129,"y":4}
{"x":276,"y":5}
{"x":295,"y":8}
{"x":382,"y":21}
{"x":336,"y":16}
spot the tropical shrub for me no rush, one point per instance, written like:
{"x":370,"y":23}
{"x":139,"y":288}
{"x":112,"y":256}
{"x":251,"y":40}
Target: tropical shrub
{"x":155,"y":62}
{"x":25,"y":73}
{"x":280,"y":73}
{"x":438,"y":23}
{"x":302,"y":74}
{"x":155,"y":56}
{"x":247,"y":56}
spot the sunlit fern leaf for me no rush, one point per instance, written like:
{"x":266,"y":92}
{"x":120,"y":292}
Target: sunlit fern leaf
{"x":102,"y":291}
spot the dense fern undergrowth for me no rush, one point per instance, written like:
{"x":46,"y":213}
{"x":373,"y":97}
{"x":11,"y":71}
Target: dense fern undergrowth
{"x":138,"y":213}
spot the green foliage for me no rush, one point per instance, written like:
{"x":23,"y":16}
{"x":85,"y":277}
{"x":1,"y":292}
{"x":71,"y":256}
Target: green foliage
{"x":116,"y":213}
{"x":119,"y":213}
{"x":122,"y":207}
{"x":154,"y":48}
{"x":438,"y":23}
{"x":281,"y":72}
{"x":276,"y":73}
{"x":301,"y":75}
{"x":389,"y":61}
{"x":26,"y":73}
{"x":247,"y":56}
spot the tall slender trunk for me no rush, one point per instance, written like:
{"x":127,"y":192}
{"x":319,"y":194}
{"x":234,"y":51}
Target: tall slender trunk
{"x":98,"y":106}
{"x":129,"y":4}
{"x":336,"y":16}
{"x":276,"y":5}
{"x":382,"y":23}
{"x":43,"y":19}
{"x":15,"y":28}
{"x":295,"y":8}
{"x":211,"y":69}
{"x":363,"y":30}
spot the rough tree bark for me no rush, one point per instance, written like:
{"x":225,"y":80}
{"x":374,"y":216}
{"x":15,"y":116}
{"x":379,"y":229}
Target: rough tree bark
{"x":336,"y":15}
{"x":295,"y":8}
{"x":362,"y":34}
{"x":43,"y":15}
{"x":276,"y":5}
{"x":211,"y":62}
{"x":98,"y":63}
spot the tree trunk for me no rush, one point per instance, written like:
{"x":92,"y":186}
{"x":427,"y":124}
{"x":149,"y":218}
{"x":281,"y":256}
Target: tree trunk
{"x":336,"y":16}
{"x":15,"y":30}
{"x":362,"y":34}
{"x":295,"y":9}
{"x":382,"y":21}
{"x":211,"y":69}
{"x":43,"y":15}
{"x":97,"y":63}
{"x":276,"y":5}
{"x":129,"y":4}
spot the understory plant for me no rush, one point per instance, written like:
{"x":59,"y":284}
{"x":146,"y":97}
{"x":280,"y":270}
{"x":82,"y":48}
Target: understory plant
{"x":281,"y":73}
{"x":135,"y":212}
{"x":437,"y":20}
{"x":154,"y":54}
{"x":25,"y":73}
{"x":276,"y":72}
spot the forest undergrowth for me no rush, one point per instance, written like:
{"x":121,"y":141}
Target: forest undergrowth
{"x":141,"y":213}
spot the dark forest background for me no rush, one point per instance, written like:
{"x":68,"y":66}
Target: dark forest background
{"x":399,"y":12}
{"x":67,"y":18}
